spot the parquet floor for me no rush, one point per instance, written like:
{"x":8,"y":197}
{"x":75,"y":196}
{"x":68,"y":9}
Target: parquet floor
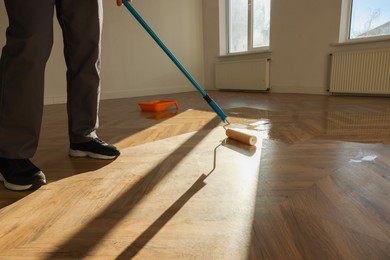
{"x":316,"y":185}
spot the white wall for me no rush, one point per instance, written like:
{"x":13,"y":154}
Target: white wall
{"x":303,"y":34}
{"x":132,"y":63}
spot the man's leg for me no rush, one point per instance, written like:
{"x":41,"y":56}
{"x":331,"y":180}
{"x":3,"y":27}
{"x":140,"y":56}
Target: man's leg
{"x":29,"y":39}
{"x":81,"y":23}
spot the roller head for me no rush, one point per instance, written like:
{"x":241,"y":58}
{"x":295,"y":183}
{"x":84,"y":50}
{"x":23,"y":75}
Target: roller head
{"x":245,"y":149}
{"x":241,"y":136}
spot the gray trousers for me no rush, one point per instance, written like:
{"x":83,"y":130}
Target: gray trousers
{"x":29,"y":40}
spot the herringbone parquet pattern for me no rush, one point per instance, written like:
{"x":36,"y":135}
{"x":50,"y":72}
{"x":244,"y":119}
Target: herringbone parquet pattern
{"x":316,"y":186}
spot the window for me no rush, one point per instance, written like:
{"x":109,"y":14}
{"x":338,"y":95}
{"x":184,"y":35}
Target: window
{"x":365,"y":19}
{"x":246,"y":25}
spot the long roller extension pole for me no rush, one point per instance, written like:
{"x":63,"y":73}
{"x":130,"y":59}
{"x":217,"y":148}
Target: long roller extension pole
{"x":208,"y":99}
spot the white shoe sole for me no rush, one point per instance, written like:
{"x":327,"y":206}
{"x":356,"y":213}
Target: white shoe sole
{"x":16,"y":187}
{"x":78,"y":153}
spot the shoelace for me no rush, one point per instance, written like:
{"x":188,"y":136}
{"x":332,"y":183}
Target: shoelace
{"x":100,"y":141}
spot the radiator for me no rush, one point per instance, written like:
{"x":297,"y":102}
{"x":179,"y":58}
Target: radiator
{"x":243,"y":75}
{"x":361,"y":72}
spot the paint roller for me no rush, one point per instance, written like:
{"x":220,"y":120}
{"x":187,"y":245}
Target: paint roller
{"x":231,"y":133}
{"x":241,"y":136}
{"x":240,"y":147}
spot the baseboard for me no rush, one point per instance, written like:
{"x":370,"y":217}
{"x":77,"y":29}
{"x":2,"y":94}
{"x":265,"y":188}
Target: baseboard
{"x":299,"y":90}
{"x":50,"y":100}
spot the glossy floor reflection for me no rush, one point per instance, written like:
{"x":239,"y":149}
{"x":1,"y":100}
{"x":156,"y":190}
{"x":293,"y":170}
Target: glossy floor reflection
{"x":315,"y":186}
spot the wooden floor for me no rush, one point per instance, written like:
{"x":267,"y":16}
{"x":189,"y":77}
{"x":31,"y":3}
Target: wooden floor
{"x":316,"y":185}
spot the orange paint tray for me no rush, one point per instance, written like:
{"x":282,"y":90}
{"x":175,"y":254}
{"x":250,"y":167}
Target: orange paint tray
{"x":158,"y":105}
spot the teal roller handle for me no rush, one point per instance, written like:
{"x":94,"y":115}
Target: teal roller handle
{"x":216,"y":108}
{"x":209,"y":100}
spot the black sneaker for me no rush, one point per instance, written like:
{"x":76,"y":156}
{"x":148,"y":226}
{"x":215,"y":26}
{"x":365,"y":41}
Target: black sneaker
{"x":95,"y":148}
{"x":20,"y":174}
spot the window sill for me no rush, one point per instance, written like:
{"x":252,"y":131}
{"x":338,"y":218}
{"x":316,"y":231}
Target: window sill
{"x":244,"y":53}
{"x":362,"y":41}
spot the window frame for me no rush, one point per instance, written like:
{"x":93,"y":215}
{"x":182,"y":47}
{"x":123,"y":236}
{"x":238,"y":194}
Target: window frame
{"x":224,"y":25}
{"x":345,"y":26}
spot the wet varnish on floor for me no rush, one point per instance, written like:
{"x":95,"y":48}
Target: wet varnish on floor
{"x":315,"y":186}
